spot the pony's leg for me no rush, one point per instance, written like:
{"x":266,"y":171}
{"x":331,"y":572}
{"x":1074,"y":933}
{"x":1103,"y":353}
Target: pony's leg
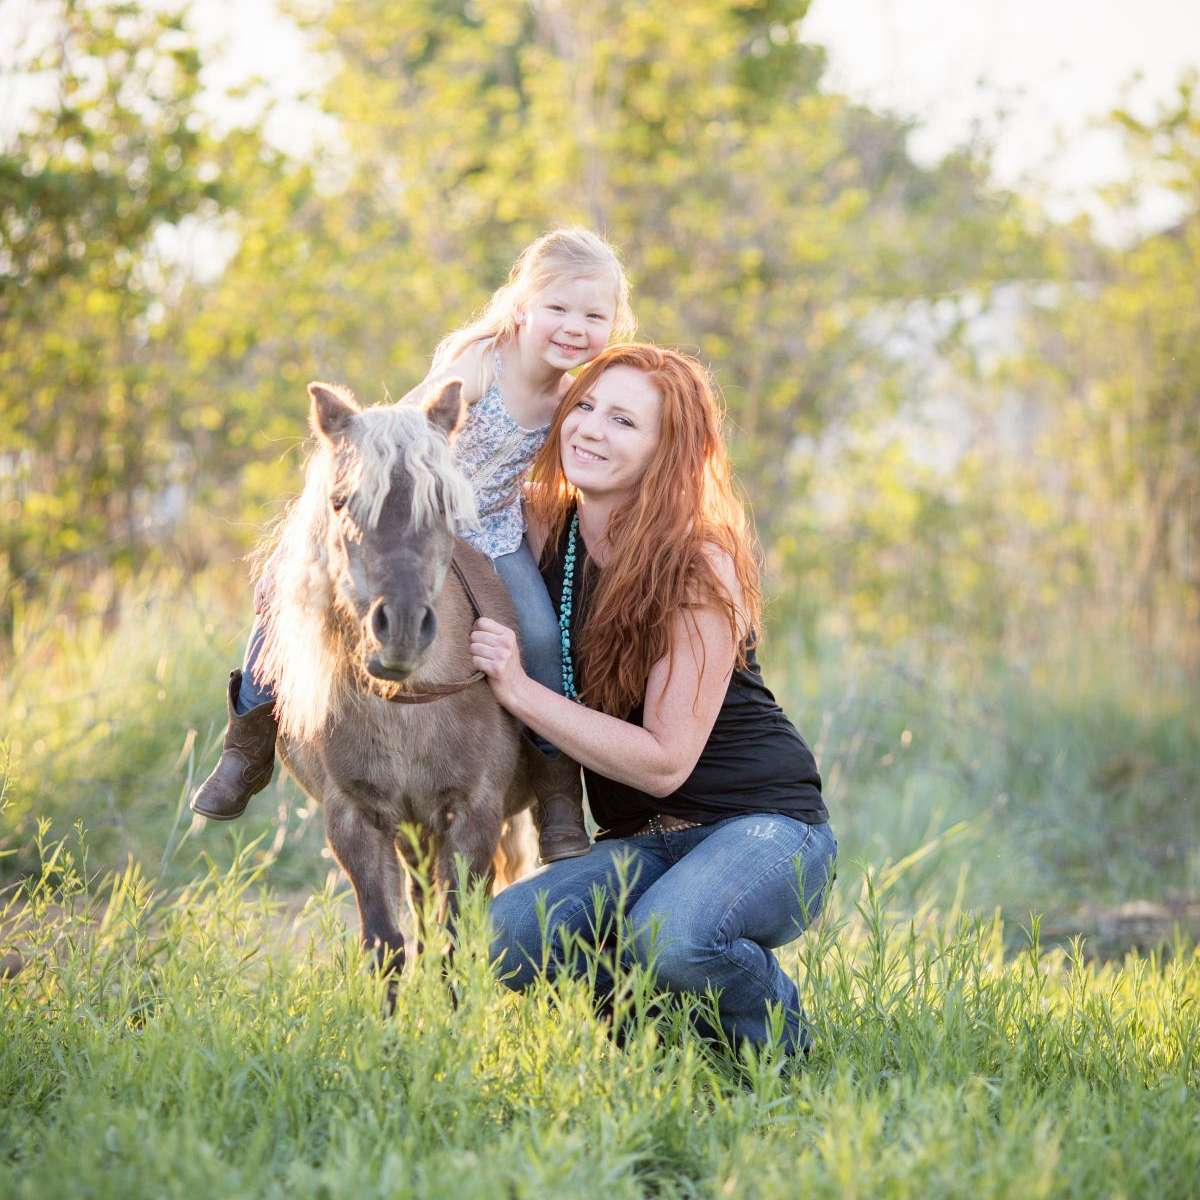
{"x":419,"y":858}
{"x":474,"y":834}
{"x":368,"y":856}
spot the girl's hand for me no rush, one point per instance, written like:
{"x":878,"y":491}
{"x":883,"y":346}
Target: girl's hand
{"x":495,"y":652}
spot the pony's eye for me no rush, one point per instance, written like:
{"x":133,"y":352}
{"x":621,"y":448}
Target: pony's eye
{"x":338,"y":502}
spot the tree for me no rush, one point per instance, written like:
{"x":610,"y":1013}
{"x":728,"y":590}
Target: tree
{"x":1114,"y":357}
{"x":764,"y":220}
{"x":88,"y":399}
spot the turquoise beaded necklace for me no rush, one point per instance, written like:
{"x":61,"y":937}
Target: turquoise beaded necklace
{"x":564,"y":611}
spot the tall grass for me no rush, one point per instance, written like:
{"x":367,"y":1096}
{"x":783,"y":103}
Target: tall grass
{"x":193,"y":1042}
{"x":112,"y":717}
{"x":185,"y":1025}
{"x":1019,"y":784}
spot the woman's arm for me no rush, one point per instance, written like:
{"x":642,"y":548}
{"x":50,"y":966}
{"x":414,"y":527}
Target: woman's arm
{"x":679,"y":711}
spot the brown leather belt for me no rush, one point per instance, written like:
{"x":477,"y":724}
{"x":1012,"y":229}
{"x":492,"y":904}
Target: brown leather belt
{"x":664,"y":823}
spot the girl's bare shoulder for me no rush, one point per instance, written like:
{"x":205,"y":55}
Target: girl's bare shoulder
{"x":471,"y":367}
{"x":474,"y":367}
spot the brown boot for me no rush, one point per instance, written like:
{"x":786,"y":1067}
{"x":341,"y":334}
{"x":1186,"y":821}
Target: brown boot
{"x":558,"y":813}
{"x":246,"y":762}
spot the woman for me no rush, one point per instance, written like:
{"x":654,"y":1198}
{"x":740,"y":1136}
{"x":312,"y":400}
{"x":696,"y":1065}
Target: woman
{"x":712,"y":827}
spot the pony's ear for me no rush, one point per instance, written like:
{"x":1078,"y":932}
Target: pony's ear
{"x":445,"y":410}
{"x":333,"y":409}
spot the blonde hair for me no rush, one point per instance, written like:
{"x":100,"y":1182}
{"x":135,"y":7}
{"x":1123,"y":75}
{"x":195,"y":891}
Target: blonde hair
{"x":571,"y":253}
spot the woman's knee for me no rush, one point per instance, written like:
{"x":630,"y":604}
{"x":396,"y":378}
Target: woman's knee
{"x":532,"y":935}
{"x":678,"y":952}
{"x":541,"y":646}
{"x":516,"y":939}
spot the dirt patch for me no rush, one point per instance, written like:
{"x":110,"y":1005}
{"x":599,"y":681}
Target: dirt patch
{"x":1112,"y":931}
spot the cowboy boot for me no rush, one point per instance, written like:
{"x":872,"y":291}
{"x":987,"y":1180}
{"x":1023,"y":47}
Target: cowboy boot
{"x":246,"y":762}
{"x":558,"y":813}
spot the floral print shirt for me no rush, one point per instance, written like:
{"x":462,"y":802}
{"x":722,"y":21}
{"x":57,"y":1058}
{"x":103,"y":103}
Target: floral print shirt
{"x":494,"y":452}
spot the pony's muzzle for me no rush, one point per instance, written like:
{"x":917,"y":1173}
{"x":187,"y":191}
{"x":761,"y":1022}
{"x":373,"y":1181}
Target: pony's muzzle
{"x":401,"y":637}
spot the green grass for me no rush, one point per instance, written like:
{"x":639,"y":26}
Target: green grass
{"x":112,"y":721}
{"x":195,"y":1018}
{"x":196,"y":1043}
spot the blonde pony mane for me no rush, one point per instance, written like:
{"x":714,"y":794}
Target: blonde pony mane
{"x":311,"y":645}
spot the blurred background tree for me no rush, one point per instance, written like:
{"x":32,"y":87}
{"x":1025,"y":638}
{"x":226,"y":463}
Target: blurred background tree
{"x":908,"y":476}
{"x":90,"y":402}
{"x":1112,"y":368}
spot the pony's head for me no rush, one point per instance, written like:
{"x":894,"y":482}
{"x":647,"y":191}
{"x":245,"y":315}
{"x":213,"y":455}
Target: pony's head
{"x":392,"y":498}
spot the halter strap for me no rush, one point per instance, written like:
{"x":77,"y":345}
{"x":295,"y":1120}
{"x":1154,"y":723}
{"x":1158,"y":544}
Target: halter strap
{"x":436,"y":691}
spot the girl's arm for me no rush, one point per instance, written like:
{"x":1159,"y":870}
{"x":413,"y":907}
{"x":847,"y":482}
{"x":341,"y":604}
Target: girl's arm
{"x":679,"y":712}
{"x":467,"y":367}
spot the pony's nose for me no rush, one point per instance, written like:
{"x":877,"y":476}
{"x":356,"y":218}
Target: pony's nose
{"x":382,"y":622}
{"x":428,"y":627}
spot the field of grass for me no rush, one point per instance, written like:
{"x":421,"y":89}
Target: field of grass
{"x":194,"y":1016}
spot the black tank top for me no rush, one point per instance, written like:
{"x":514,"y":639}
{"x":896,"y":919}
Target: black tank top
{"x":754,"y":759}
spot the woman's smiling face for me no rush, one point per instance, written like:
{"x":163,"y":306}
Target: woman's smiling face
{"x":609,"y":438}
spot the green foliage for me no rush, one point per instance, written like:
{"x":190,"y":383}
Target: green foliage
{"x":1112,"y":363}
{"x":153,"y":407}
{"x":89,"y":399}
{"x":763,"y":220}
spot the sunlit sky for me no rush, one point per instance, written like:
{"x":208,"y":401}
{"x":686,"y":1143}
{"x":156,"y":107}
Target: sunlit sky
{"x":1052,"y":65}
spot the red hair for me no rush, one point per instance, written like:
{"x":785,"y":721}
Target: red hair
{"x":662,"y":537}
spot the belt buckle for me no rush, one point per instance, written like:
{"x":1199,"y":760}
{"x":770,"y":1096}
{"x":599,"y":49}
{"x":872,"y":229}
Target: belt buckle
{"x":655,"y":825}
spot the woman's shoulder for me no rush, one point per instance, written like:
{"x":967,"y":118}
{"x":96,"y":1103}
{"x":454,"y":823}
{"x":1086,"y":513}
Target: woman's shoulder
{"x":723,"y":571}
{"x":719,"y":586}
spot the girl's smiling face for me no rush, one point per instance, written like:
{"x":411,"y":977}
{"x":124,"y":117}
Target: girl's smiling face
{"x":609,"y":438}
{"x":569,"y":323}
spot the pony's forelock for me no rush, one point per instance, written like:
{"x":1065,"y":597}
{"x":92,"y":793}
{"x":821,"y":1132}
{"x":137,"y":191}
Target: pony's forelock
{"x":383,"y":436}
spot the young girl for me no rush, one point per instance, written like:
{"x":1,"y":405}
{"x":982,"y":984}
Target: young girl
{"x":565,"y":297}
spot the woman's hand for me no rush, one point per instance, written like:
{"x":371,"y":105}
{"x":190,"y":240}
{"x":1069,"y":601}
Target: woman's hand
{"x":495,"y":652}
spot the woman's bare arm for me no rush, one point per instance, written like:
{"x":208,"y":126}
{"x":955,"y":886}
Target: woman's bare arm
{"x":680,"y":709}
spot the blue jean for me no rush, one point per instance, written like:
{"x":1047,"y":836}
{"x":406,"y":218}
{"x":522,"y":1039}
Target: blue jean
{"x":704,"y":907}
{"x":537,"y":625}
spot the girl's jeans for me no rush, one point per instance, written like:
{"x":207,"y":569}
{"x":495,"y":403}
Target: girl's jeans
{"x":703,"y":906}
{"x":537,"y":625}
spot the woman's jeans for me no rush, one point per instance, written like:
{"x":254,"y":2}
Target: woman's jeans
{"x":537,"y":626}
{"x":704,"y":907}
